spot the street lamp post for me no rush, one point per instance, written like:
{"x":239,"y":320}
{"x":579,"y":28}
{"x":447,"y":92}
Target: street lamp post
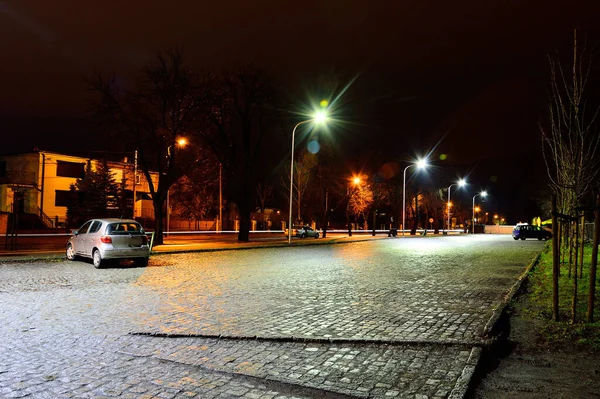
{"x":135,"y":172}
{"x":318,"y":118}
{"x":181,"y":142}
{"x":482,"y":194}
{"x":355,"y":181}
{"x":460,"y":183}
{"x":421,"y":164}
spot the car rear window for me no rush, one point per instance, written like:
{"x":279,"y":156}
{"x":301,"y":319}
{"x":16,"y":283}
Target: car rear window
{"x":124,"y":228}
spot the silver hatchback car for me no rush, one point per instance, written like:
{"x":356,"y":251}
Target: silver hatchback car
{"x":109,"y":239}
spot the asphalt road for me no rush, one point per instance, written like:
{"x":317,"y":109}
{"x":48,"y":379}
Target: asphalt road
{"x":382,"y":318}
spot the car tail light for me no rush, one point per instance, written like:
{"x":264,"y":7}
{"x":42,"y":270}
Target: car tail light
{"x":106,"y":239}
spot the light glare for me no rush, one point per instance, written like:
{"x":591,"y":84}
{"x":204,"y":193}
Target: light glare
{"x":320,"y":117}
{"x":422,"y":164}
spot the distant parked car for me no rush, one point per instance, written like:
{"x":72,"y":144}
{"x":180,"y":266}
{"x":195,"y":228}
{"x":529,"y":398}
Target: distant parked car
{"x":303,"y":232}
{"x":524,"y":231}
{"x":307,"y":231}
{"x":103,"y":240}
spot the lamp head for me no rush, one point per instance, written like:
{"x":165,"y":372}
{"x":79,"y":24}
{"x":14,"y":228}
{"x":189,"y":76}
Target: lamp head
{"x":421,"y":163}
{"x":320,"y":117}
{"x":461,"y":182}
{"x":484,"y":194}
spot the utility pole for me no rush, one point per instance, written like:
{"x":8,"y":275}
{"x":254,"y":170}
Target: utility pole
{"x":220,"y":197}
{"x":135,"y":162}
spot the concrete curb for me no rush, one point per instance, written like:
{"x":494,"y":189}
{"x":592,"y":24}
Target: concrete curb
{"x":464,"y":381}
{"x":462,"y":385}
{"x":487,"y":330}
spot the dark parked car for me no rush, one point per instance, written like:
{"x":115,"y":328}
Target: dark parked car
{"x":528,"y":231}
{"x":103,"y":240}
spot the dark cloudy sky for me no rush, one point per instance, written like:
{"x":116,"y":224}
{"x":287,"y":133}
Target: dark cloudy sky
{"x":473,"y":72}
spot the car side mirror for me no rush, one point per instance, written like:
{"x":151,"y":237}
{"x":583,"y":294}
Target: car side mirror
{"x":75,"y":232}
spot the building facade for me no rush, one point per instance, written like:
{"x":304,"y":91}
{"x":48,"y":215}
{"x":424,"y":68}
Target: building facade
{"x":38,"y":183}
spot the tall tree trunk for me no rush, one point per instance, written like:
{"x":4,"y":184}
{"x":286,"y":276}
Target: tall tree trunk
{"x":561,"y":237}
{"x":555,"y":261}
{"x":575,"y":278}
{"x":158,"y":220}
{"x":244,"y":204}
{"x":581,"y":245}
{"x":570,"y":242}
{"x":596,"y":242}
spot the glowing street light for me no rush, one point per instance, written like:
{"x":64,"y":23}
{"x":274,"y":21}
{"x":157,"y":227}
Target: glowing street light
{"x":482,"y":195}
{"x":318,"y":118}
{"x":181,"y":142}
{"x":420,"y":164}
{"x":459,"y":183}
{"x":355,"y":181}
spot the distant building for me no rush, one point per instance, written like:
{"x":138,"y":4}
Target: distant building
{"x":38,"y":183}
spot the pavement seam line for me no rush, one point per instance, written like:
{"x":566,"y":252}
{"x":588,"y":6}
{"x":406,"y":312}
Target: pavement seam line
{"x":391,"y":342}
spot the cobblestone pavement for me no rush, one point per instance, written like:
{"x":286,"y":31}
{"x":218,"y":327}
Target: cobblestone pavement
{"x":385,"y":318}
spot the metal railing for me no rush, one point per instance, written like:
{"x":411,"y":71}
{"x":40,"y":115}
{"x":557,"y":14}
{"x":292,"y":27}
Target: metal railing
{"x":47,"y":220}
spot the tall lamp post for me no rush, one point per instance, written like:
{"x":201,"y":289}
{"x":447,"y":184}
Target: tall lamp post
{"x":355,"y":182}
{"x":460,"y":183}
{"x":181,"y":142}
{"x":319,"y":117}
{"x":420,"y":164}
{"x":482,"y":195}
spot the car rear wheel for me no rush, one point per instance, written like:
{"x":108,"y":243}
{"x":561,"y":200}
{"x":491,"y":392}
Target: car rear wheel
{"x":523,"y":238}
{"x":303,"y":235}
{"x":97,"y":259}
{"x":317,"y":235}
{"x":71,"y":253}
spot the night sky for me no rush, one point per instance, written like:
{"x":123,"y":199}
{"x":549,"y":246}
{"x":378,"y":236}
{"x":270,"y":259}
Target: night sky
{"x":467,"y":78}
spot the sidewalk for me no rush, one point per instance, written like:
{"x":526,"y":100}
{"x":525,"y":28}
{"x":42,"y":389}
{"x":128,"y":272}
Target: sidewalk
{"x":191,"y":245}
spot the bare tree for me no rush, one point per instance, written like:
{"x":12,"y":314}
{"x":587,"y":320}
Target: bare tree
{"x":570,"y":142}
{"x":265,"y":194}
{"x":239,"y":115}
{"x":153,"y":116}
{"x":195,"y":195}
{"x":361,"y":198}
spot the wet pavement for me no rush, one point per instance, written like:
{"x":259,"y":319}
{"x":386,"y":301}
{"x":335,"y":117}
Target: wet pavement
{"x":378,"y":318}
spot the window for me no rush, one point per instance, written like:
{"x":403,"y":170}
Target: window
{"x":124,"y":228}
{"x":70,"y":169}
{"x":95,"y":227}
{"x":62,"y":198}
{"x":84,"y":228}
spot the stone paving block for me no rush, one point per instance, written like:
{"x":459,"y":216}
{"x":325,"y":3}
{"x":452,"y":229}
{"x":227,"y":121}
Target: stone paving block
{"x":407,"y":322}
